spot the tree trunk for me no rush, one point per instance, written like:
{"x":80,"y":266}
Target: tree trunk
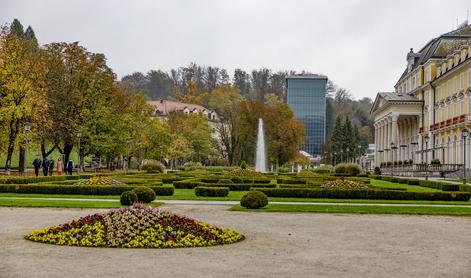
{"x":21,"y":160}
{"x":66,"y":152}
{"x":11,"y":142}
{"x":45,"y":153}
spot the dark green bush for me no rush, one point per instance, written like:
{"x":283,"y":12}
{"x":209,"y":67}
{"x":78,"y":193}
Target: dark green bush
{"x":393,"y":179}
{"x":21,"y":180}
{"x":254,"y":200}
{"x":153,"y":166}
{"x":166,"y":190}
{"x":187,"y":184}
{"x":211,"y":191}
{"x":402,"y":181}
{"x":413,"y":182}
{"x":144,"y":194}
{"x":363,"y":194}
{"x":238,"y":186}
{"x":351,"y":169}
{"x":128,"y":198}
{"x":243,"y":165}
{"x":440,"y":185}
{"x":377,"y":177}
{"x":291,"y":181}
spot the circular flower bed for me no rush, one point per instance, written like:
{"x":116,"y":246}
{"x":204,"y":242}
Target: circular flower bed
{"x":136,"y":227}
{"x":345,"y":184}
{"x":100,"y":180}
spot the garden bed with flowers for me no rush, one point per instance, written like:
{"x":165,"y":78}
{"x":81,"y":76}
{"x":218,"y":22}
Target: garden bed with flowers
{"x":136,"y":227}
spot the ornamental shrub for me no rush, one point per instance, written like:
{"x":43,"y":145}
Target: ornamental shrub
{"x":351,"y":169}
{"x":243,"y":165}
{"x":128,"y":198}
{"x":435,"y":161}
{"x":144,"y":194}
{"x":153,"y":165}
{"x":254,"y":200}
{"x":211,"y":191}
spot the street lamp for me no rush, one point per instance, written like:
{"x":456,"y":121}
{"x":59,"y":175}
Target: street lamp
{"x":334,"y":157}
{"x":359,"y":153}
{"x":79,"y":135}
{"x":348,"y":150}
{"x":427,"y":138}
{"x":27,"y":128}
{"x":464,"y":134}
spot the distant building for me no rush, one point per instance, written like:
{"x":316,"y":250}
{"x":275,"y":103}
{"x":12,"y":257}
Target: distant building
{"x":306,"y":97}
{"x":164,"y":107}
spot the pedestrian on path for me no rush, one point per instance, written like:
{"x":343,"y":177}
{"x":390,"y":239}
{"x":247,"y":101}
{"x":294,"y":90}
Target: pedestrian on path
{"x":37,"y":165}
{"x":45,"y":166}
{"x":60,"y":166}
{"x":51,"y":167}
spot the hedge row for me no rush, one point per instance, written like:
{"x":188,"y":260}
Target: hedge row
{"x":80,"y":190}
{"x":290,"y":181}
{"x":211,"y":191}
{"x":239,"y":186}
{"x":363,"y":194}
{"x":444,"y":186}
{"x":21,"y":180}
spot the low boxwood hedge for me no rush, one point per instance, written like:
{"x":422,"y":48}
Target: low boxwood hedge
{"x":290,"y":181}
{"x":413,"y":182}
{"x":188,"y":184}
{"x":79,"y":190}
{"x":440,"y":185}
{"x":21,"y":180}
{"x":363,"y":194}
{"x":211,"y":191}
{"x":238,"y":186}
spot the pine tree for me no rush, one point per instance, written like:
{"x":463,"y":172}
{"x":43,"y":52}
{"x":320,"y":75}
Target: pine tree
{"x":337,"y":139}
{"x":349,"y":144}
{"x":31,"y":37}
{"x":17,"y":28}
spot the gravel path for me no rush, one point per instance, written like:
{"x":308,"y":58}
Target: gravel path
{"x":277,"y":245}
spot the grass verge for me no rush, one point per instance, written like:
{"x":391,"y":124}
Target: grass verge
{"x":454,"y":211}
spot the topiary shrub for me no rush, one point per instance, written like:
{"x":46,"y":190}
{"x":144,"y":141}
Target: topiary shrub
{"x":243,"y":165}
{"x":254,"y":200}
{"x":128,"y":198}
{"x":152,"y":166}
{"x":144,"y":194}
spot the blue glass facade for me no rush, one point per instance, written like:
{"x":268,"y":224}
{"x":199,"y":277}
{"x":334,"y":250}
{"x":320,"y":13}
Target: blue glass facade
{"x":306,"y":97}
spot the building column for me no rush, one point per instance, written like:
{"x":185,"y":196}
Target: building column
{"x":394,"y":137}
{"x":376,"y":144}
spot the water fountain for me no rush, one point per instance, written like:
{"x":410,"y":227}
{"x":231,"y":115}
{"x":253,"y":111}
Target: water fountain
{"x":260,"y":157}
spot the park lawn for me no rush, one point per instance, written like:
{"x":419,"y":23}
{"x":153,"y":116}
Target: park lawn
{"x":32,"y":153}
{"x":415,"y":188}
{"x":454,"y":211}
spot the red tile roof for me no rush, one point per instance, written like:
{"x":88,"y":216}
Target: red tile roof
{"x":164,"y":107}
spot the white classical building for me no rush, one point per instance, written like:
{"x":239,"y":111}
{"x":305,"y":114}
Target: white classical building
{"x":424,"y":118}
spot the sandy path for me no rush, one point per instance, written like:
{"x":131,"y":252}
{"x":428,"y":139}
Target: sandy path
{"x":277,"y":245}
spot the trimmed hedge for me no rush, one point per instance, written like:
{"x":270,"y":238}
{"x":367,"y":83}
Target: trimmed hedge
{"x":290,"y":181}
{"x":79,"y":190}
{"x":211,"y":191}
{"x":188,"y":184}
{"x":21,"y":180}
{"x":413,"y":182}
{"x":363,"y":194}
{"x":440,"y":185}
{"x":238,"y":186}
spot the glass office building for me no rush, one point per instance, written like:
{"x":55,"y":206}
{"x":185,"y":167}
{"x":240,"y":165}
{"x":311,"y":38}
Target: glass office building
{"x":306,"y":97}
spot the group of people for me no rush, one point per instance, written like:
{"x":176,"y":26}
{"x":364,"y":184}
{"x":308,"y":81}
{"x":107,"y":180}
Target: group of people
{"x":48,"y":166}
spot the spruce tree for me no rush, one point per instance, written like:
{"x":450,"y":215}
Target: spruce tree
{"x":17,"y":28}
{"x":349,"y":144}
{"x":337,"y":139}
{"x":31,"y":37}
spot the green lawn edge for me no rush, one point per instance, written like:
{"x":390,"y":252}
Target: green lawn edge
{"x":445,"y":211}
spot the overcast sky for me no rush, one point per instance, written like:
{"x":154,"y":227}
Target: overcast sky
{"x":360,"y":45}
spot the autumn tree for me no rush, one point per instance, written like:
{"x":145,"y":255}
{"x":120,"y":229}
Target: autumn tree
{"x":225,"y":101}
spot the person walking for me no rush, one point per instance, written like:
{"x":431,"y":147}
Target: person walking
{"x":70,"y":167}
{"x":37,"y":165}
{"x":45,"y":166}
{"x":60,"y":166}
{"x":51,"y":167}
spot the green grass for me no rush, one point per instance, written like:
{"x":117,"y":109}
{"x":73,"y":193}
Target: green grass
{"x":8,"y":202}
{"x":454,"y":211}
{"x":32,"y":153}
{"x":415,"y":188}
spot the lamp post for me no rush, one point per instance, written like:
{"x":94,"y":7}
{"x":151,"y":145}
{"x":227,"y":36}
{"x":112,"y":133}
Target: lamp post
{"x":341,"y":156}
{"x":348,"y":150}
{"x":464,"y":134}
{"x":427,"y":138}
{"x":79,"y":135}
{"x":27,"y":128}
{"x":334,"y":157}
{"x":128,"y":142}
